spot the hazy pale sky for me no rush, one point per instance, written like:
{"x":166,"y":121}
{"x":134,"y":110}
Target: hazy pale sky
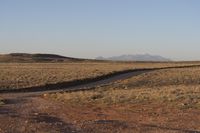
{"x":90,"y":28}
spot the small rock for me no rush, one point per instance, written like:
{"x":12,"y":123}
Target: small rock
{"x":44,"y":95}
{"x":36,"y":113}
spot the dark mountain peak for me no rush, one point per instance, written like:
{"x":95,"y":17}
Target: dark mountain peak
{"x":39,"y":57}
{"x":36,"y":55}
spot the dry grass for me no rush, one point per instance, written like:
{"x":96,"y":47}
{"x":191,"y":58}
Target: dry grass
{"x":21,"y":75}
{"x":28,"y":75}
{"x":176,"y":87}
{"x":186,"y":76}
{"x":178,"y":96}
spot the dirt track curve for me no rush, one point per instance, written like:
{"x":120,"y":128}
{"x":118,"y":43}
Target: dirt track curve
{"x":86,"y":84}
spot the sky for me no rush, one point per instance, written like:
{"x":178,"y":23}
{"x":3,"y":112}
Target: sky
{"x":91,"y":28}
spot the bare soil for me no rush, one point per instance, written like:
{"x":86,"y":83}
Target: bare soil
{"x":21,"y":114}
{"x":37,"y":114}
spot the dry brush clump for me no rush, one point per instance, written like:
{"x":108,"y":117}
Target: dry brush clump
{"x":1,"y":101}
{"x":183,"y":94}
{"x":23,"y":75}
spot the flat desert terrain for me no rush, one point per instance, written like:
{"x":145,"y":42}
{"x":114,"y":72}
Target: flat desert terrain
{"x":163,"y":100}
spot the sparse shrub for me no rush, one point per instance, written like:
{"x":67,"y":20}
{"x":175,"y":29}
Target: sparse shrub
{"x":97,"y":96}
{"x":1,"y":101}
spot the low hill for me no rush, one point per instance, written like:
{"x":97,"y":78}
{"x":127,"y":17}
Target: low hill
{"x":137,"y":57}
{"x":26,"y":57}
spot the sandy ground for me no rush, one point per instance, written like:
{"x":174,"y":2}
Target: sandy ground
{"x":37,"y":114}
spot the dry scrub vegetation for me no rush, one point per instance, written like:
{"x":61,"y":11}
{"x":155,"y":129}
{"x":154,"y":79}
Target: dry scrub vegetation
{"x":176,"y":96}
{"x":176,"y":87}
{"x":186,"y":76}
{"x":28,"y":75}
{"x":21,"y":75}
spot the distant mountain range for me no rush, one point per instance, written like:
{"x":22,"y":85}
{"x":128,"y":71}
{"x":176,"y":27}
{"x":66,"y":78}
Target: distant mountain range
{"x":137,"y":57}
{"x":27,"y":57}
